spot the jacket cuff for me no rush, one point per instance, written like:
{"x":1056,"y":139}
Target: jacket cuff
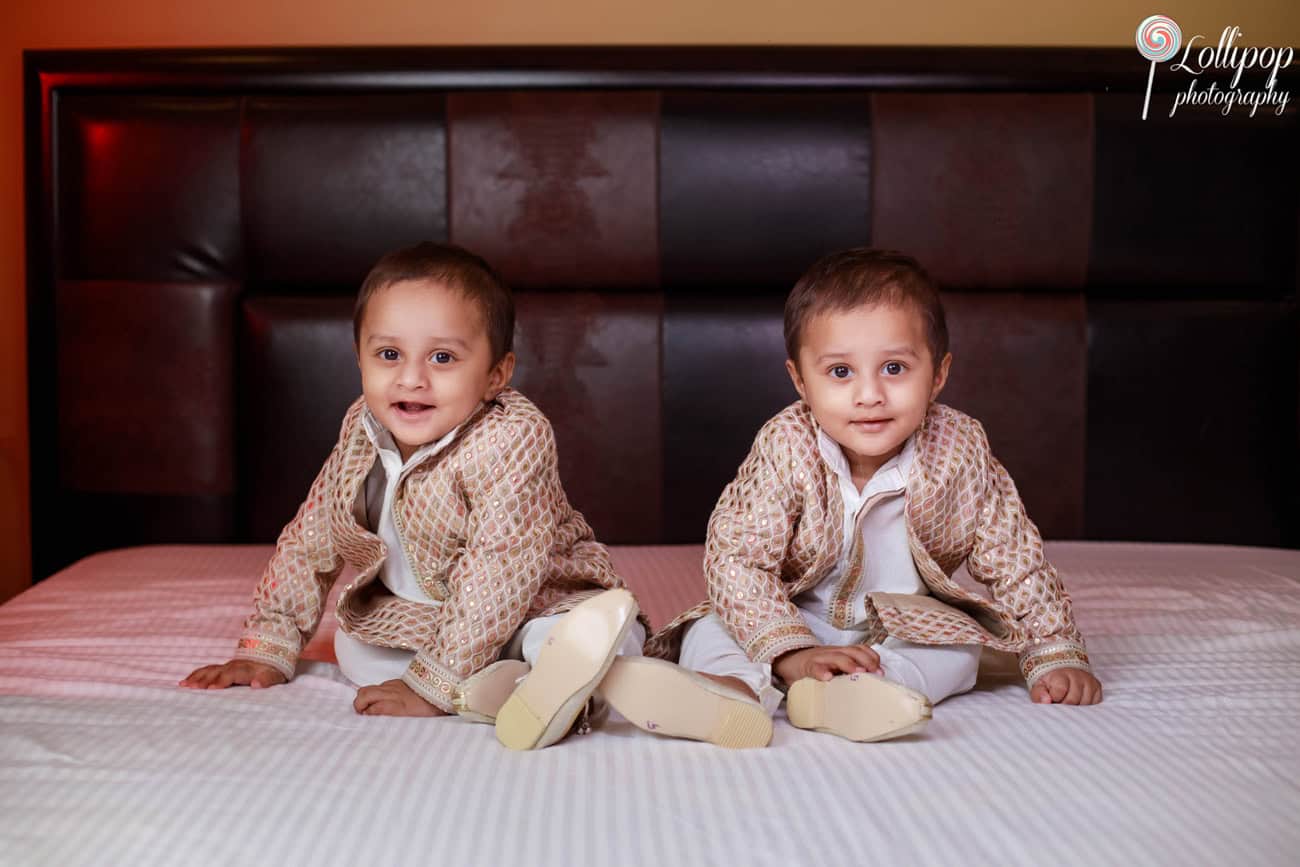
{"x":270,"y":650}
{"x":433,"y":683}
{"x":782,"y":637}
{"x":1042,"y":658}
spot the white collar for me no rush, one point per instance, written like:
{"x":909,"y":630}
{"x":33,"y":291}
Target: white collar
{"x":892,"y":475}
{"x":383,"y":440}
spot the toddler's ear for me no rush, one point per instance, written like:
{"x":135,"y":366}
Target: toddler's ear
{"x":941,"y":376}
{"x":793,"y":369}
{"x":499,"y":376}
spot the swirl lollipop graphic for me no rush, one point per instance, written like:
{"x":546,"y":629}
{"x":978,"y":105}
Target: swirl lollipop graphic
{"x":1158,"y":39}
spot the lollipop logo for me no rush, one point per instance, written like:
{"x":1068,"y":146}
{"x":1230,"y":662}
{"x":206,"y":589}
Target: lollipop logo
{"x":1158,"y":39}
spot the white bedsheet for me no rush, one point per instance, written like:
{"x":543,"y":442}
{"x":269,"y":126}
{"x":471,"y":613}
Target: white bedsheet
{"x":1194,"y":757}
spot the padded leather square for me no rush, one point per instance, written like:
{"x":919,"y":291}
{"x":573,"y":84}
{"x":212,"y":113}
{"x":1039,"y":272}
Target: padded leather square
{"x":591,"y":362}
{"x":724,"y":376}
{"x":148,"y":188}
{"x":1020,"y":366}
{"x":334,"y":182}
{"x":988,"y":191}
{"x":754,"y":187}
{"x":557,"y":189}
{"x":146,"y":387}
{"x":1192,"y":422}
{"x":1197,"y":204}
{"x":298,"y":375}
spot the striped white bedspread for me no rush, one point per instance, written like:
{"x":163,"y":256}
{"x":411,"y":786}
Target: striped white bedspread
{"x":1193,"y":758}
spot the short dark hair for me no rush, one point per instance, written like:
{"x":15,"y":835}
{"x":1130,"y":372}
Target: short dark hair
{"x":864,"y":276}
{"x":456,"y":268}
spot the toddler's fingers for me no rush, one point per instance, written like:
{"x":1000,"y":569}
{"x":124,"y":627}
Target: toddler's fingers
{"x":384,"y":707}
{"x":822,"y":671}
{"x":839,"y":663}
{"x":1039,"y":694}
{"x":1059,"y":687}
{"x":265,"y":678}
{"x":1075,"y":695}
{"x":864,"y":656}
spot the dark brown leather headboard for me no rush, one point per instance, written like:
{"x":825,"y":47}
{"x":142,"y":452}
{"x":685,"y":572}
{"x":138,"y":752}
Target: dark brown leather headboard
{"x":1122,"y":293}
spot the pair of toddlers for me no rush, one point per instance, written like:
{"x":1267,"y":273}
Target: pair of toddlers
{"x":480,"y":591}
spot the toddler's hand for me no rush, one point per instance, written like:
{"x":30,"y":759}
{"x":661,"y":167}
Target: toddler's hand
{"x":393,"y":698}
{"x":237,"y":672}
{"x":1067,"y":686}
{"x":825,"y":662}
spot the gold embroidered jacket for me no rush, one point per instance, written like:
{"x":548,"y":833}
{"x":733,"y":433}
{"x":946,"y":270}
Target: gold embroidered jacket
{"x":485,"y":525}
{"x":778,"y":530}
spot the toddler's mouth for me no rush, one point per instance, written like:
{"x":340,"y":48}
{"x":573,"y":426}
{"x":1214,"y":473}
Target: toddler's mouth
{"x":411,"y":408}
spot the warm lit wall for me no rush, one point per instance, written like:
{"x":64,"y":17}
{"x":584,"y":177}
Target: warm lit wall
{"x":47,"y":24}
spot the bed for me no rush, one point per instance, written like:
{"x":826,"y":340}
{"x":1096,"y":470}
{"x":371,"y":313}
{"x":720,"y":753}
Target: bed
{"x":198,"y":222}
{"x":1193,"y":757}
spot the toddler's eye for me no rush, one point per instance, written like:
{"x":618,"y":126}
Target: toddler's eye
{"x":388,"y":354}
{"x":840,"y":371}
{"x":893,"y":368}
{"x":442,"y":358}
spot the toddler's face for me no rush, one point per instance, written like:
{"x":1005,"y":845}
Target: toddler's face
{"x":867,"y":375}
{"x":426,"y":361}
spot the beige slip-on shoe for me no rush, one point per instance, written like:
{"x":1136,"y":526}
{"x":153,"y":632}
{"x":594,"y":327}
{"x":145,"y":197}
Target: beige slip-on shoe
{"x":481,"y":695}
{"x":860,"y":707}
{"x":667,"y":699}
{"x":576,"y":655}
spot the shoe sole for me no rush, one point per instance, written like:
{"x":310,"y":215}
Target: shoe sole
{"x":542,"y":709}
{"x":667,"y":699}
{"x":860,"y":707}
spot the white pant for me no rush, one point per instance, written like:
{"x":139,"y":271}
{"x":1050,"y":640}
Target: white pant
{"x":935,"y":671}
{"x":368,"y":664}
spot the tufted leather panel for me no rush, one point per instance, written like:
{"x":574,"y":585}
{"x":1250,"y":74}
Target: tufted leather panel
{"x":1194,"y":205}
{"x":988,"y":191}
{"x":591,"y":361}
{"x":145,"y":387}
{"x":331,"y":183}
{"x":557,"y":189}
{"x":297,"y":376}
{"x":1192,"y":421}
{"x":724,"y":375}
{"x":755,"y":186}
{"x":148,"y":187}
{"x":1020,"y":366}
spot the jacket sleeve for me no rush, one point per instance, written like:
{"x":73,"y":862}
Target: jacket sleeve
{"x":1008,"y":559}
{"x":748,"y":537}
{"x":512,"y":486}
{"x":290,"y":598}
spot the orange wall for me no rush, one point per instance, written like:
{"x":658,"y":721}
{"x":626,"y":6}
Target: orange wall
{"x":28,"y":24}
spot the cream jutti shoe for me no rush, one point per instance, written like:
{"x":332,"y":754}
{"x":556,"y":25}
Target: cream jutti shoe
{"x":666,"y":699}
{"x":860,"y":707}
{"x":577,"y":654}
